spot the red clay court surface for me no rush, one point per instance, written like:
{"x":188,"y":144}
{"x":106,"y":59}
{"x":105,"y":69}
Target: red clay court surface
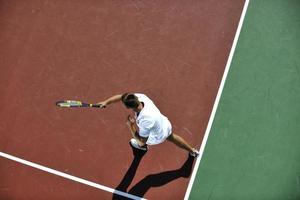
{"x":173,"y":51}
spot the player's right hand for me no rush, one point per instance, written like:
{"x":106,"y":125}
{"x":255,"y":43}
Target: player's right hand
{"x":102,"y":104}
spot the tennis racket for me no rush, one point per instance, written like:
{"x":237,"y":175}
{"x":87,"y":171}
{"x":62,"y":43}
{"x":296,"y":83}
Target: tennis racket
{"x":76,"y":104}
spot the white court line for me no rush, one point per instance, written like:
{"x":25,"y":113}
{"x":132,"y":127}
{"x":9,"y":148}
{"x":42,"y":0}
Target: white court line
{"x":70,"y":177}
{"x":212,"y":116}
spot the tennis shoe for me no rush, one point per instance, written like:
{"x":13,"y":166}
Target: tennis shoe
{"x":135,"y":144}
{"x":195,"y":153}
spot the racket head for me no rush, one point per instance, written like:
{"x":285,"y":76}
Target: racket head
{"x":68,"y":103}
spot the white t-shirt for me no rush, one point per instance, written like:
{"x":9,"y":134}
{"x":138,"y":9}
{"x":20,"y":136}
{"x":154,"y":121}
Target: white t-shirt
{"x":152,"y":124}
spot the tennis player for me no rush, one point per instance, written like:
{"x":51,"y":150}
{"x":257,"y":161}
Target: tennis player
{"x":148,"y":126}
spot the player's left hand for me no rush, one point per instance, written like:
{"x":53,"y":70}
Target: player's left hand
{"x":130,"y":120}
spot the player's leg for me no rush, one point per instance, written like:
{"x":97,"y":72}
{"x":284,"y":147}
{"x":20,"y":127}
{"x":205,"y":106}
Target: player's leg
{"x":180,"y":142}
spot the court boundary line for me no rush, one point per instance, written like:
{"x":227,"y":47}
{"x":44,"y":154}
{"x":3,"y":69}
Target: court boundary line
{"x":217,"y":100}
{"x":70,"y":177}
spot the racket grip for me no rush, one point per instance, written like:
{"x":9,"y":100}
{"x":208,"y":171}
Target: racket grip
{"x":98,"y":106}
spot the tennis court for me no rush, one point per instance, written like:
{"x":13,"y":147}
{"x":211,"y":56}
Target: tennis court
{"x":180,"y":55}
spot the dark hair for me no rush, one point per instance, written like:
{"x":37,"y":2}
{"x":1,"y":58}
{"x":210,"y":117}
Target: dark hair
{"x":130,"y":100}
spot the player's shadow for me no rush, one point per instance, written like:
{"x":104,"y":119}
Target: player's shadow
{"x":152,"y":180}
{"x":127,"y":179}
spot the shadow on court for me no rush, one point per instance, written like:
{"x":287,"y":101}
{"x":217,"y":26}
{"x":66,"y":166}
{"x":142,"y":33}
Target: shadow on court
{"x":152,"y":180}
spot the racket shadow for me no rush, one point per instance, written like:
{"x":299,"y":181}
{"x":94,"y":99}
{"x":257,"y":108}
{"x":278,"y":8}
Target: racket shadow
{"x":152,"y":180}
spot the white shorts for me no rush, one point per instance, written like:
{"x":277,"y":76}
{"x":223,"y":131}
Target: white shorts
{"x":154,"y":139}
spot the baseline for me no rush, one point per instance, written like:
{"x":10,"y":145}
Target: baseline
{"x":70,"y":177}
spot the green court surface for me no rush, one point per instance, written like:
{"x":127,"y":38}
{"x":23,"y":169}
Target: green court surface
{"x":253,"y":149}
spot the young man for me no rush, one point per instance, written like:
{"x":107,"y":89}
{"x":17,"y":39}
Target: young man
{"x":149,"y":126}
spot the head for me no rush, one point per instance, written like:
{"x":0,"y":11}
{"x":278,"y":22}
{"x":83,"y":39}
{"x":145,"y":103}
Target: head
{"x":130,"y":101}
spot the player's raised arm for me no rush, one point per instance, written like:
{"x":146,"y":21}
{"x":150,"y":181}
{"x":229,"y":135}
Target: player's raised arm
{"x":113,"y":99}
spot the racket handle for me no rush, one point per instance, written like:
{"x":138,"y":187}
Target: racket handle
{"x":97,"y":106}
